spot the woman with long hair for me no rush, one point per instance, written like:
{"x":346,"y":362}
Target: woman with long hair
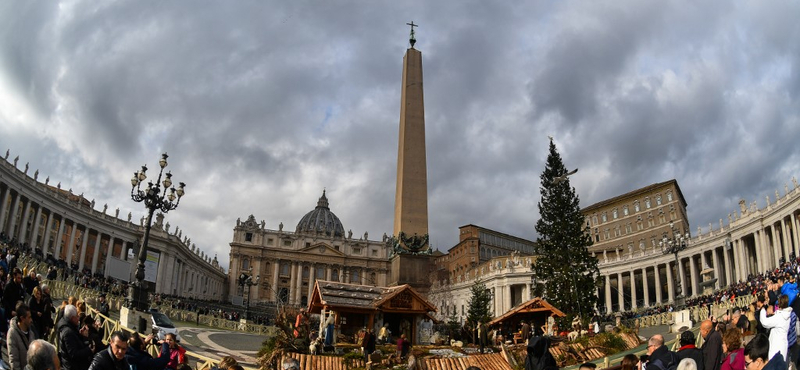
{"x":37,"y":308}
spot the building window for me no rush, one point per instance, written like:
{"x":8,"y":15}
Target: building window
{"x":647,"y":203}
{"x":606,"y":234}
{"x":636,"y":206}
{"x":320,"y":272}
{"x":308,"y":245}
{"x":335,"y":275}
{"x":354,"y":277}
{"x":658,"y":200}
{"x":284,"y":269}
{"x":269,"y":241}
{"x":625,"y":211}
{"x":356,"y":250}
{"x":373,"y":278}
{"x":374,"y":253}
{"x":604,"y":217}
{"x":614,"y":213}
{"x":246,"y":264}
{"x":287,"y":243}
{"x":248,"y":237}
{"x":594,"y":219}
{"x":628,"y":228}
{"x":305,"y":272}
{"x":669,"y":196}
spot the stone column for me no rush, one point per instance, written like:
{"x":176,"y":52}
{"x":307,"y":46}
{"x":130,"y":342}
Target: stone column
{"x":59,"y":237}
{"x":682,"y":278}
{"x":796,"y":227}
{"x":3,"y":206}
{"x":633,"y":289}
{"x":717,"y":268}
{"x":328,"y":271}
{"x":273,"y":295}
{"x":85,"y":241}
{"x":110,"y":249}
{"x":47,"y":227}
{"x":73,"y":236}
{"x":620,"y":293}
{"x":96,"y":253}
{"x":787,"y":250}
{"x":12,"y":215}
{"x":774,"y":249}
{"x":645,"y":287}
{"x":693,"y":275}
{"x":507,"y":299}
{"x":728,"y":266}
{"x":657,"y":275}
{"x":312,"y":277}
{"x":37,"y":219}
{"x":299,"y":286}
{"x":760,"y":265}
{"x":608,"y":294}
{"x":670,"y":285}
{"x":292,"y":283}
{"x":23,"y":227}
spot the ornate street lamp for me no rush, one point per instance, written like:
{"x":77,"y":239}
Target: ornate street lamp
{"x":674,"y":245}
{"x":154,"y":199}
{"x":246,"y":280}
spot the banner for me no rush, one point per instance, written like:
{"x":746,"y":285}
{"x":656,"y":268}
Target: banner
{"x":151,"y":266}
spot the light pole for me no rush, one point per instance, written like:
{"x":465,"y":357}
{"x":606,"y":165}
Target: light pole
{"x":153,"y":199}
{"x":246,"y":280}
{"x":674,"y":245}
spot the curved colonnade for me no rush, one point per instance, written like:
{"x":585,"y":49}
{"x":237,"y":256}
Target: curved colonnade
{"x":754,"y":241}
{"x":67,"y":227}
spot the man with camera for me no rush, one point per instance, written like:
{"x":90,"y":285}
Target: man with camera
{"x":138,"y":357}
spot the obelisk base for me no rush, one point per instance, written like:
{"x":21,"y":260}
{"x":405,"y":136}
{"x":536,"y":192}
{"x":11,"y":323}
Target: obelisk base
{"x":414,"y":270}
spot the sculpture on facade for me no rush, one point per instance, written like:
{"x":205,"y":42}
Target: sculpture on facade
{"x":47,"y":180}
{"x":36,"y":175}
{"x":129,"y":217}
{"x":26,"y":168}
{"x":116,"y":214}
{"x":105,"y":208}
{"x":15,"y":161}
{"x":280,"y":226}
{"x":7,"y":153}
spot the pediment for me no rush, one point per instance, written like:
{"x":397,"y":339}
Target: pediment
{"x":322,"y":249}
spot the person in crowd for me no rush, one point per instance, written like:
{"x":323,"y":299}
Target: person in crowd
{"x":37,"y":307}
{"x":19,"y":337}
{"x":138,"y":357}
{"x":539,"y":357}
{"x":778,"y":323}
{"x":712,"y":348}
{"x":758,"y":305}
{"x":227,"y":363}
{"x":102,"y":306}
{"x":630,"y":362}
{"x":93,"y":334}
{"x":483,"y":335}
{"x":177,"y":354}
{"x":587,"y":366}
{"x":29,"y":282}
{"x":75,"y":353}
{"x":13,"y":293}
{"x":661,"y":358}
{"x":113,"y":358}
{"x":687,"y":364}
{"x":42,"y":356}
{"x":756,"y":355}
{"x":403,"y":346}
{"x":734,"y":353}
{"x":689,"y":350}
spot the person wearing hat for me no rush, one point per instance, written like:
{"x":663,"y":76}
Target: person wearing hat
{"x":689,"y":350}
{"x":103,"y":305}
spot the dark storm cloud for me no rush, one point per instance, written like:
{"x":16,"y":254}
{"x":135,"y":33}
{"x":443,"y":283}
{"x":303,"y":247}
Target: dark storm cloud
{"x":261,"y":105}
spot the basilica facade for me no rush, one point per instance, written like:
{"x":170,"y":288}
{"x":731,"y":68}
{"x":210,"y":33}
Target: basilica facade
{"x":286,"y":264}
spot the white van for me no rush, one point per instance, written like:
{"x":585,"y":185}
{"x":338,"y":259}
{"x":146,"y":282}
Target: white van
{"x":162,"y":325}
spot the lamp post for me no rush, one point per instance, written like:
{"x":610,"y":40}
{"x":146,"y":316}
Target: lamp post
{"x":246,"y":280}
{"x":674,"y":245}
{"x":153,"y":199}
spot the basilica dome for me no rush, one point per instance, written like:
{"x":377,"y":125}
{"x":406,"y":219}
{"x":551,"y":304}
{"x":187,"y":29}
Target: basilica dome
{"x":321,"y":221}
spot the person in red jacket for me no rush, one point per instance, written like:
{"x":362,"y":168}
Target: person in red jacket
{"x":177,"y":354}
{"x":732,"y":346}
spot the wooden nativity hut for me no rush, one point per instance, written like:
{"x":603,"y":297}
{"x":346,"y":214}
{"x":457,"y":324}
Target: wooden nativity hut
{"x":347,"y":309}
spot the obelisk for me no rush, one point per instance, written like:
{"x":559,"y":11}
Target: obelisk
{"x":411,"y":259}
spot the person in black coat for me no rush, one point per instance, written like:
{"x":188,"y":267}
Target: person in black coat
{"x":138,"y":357}
{"x":688,"y":349}
{"x":74,"y":352}
{"x":712,"y":348}
{"x":13,"y":293}
{"x":539,"y":356}
{"x":113,"y":358}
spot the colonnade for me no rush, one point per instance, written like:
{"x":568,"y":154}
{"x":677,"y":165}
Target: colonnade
{"x":67,"y":227}
{"x":754,"y":241}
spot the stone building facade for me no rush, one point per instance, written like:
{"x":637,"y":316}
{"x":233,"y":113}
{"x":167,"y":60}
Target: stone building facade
{"x":288,"y":263}
{"x":70,"y":228}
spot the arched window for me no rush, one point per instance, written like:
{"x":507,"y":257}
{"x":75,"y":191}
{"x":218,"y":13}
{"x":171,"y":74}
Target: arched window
{"x":625,"y":210}
{"x":614,"y":213}
{"x":669,"y":196}
{"x":647,"y":203}
{"x":320,"y":273}
{"x":636,"y":206}
{"x":285,"y":269}
{"x":373,"y":278}
{"x":354,"y":276}
{"x":604,"y":217}
{"x":335,"y":275}
{"x":658,"y":200}
{"x":305,"y":272}
{"x":594,"y":219}
{"x":246,"y":264}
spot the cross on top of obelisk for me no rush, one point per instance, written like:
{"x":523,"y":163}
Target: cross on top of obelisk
{"x":412,"y":39}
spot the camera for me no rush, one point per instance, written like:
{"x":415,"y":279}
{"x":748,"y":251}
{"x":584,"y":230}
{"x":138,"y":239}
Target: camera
{"x":154,"y":331}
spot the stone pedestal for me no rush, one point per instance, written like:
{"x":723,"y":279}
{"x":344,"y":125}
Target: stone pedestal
{"x":414,"y":270}
{"x":680,"y":319}
{"x":137,"y":320}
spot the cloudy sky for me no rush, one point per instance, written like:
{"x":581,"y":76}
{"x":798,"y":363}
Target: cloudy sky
{"x":262,"y":104}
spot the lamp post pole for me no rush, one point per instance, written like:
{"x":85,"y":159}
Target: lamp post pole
{"x":674,"y":245}
{"x":153,"y":199}
{"x":246,"y":280}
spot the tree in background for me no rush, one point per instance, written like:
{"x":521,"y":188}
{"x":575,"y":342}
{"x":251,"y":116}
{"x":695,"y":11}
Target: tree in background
{"x":478,"y":306}
{"x":568,"y":272}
